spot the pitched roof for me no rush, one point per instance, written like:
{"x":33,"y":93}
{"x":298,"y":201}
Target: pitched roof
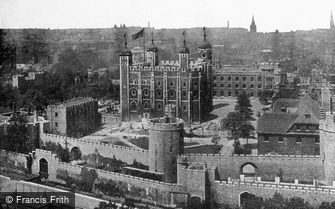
{"x":303,"y":105}
{"x":284,"y":102}
{"x":307,"y":104}
{"x":276,"y":122}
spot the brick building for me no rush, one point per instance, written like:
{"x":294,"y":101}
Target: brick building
{"x":75,"y":118}
{"x":292,"y":128}
{"x":147,"y":87}
{"x":231,"y":80}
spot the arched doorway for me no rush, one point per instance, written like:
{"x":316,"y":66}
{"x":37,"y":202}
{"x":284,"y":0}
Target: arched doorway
{"x":249,"y":170}
{"x":244,"y":198}
{"x":43,"y":168}
{"x":195,"y":202}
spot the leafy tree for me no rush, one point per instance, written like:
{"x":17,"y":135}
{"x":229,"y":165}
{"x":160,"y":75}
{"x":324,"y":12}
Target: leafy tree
{"x":16,"y":134}
{"x":297,"y":203}
{"x":243,"y":106}
{"x":245,"y":129}
{"x":63,"y":154}
{"x":87,"y":179}
{"x":253,"y":203}
{"x":276,"y":202}
{"x":325,"y":205}
{"x":7,"y":55}
{"x":75,"y":153}
{"x":215,"y":139}
{"x":265,"y":96}
{"x":234,"y":119}
{"x":237,"y":147}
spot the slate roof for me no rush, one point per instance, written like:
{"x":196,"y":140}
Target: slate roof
{"x":284,"y":102}
{"x":303,"y":105}
{"x":275,"y":123}
{"x":278,"y":122}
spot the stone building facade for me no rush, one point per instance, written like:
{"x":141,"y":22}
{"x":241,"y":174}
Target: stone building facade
{"x":147,"y":87}
{"x":75,"y":118}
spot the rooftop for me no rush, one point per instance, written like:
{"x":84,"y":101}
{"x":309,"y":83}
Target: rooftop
{"x":275,"y":123}
{"x":75,"y":101}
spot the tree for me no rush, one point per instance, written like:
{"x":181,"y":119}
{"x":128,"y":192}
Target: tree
{"x":297,"y":203}
{"x":243,"y":107}
{"x":63,"y":154}
{"x":215,"y":138}
{"x":276,"y":202}
{"x":87,"y":179}
{"x":265,"y":96}
{"x":234,"y":119}
{"x":325,"y":205}
{"x":245,"y":129}
{"x":16,"y":134}
{"x":253,"y":203}
{"x":237,"y":147}
{"x":75,"y":153}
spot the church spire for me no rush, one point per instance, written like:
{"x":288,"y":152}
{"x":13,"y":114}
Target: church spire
{"x":332,"y":25}
{"x":253,"y":27}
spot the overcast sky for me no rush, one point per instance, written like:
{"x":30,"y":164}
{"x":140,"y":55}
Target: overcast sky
{"x":285,"y":15}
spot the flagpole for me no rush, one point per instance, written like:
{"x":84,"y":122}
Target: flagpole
{"x":144,"y":57}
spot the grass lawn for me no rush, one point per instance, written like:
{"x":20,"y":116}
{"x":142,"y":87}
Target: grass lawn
{"x":190,"y":143}
{"x":121,"y":143}
{"x":142,"y":142}
{"x":204,"y":149}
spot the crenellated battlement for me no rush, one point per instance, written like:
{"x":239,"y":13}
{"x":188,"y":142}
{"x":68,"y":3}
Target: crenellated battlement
{"x":224,"y":156}
{"x":72,"y":102}
{"x":278,"y":186}
{"x":195,"y":67}
{"x":165,"y":124}
{"x":46,"y":152}
{"x":157,"y":68}
{"x":122,"y":177}
{"x":170,"y":62}
{"x":63,"y":139}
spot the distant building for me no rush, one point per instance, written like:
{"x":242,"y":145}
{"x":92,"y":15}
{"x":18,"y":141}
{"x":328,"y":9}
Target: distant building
{"x":288,"y":86}
{"x":18,"y":78}
{"x":74,"y":118}
{"x":253,"y":27}
{"x":230,"y":81}
{"x":291,"y":129}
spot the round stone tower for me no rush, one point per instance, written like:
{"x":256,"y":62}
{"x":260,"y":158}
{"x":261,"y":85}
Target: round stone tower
{"x":166,"y":142}
{"x":327,"y":146}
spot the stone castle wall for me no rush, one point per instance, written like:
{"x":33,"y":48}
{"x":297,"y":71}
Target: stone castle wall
{"x":20,"y":160}
{"x":229,"y":192}
{"x":327,"y":146}
{"x":305,"y":168}
{"x":193,"y":179}
{"x":54,"y":164}
{"x":126,"y":154}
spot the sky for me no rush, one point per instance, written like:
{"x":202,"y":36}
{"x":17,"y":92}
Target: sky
{"x":284,"y":15}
